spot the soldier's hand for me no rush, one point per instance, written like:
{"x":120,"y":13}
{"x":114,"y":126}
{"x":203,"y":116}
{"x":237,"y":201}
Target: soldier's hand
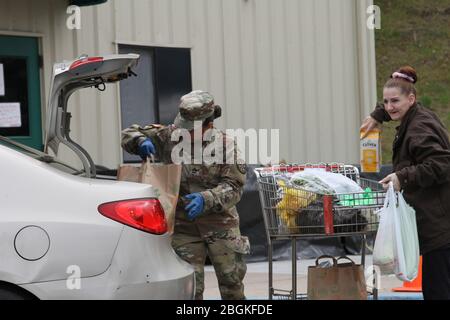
{"x":369,"y":124}
{"x":195,"y":207}
{"x":146,"y":148}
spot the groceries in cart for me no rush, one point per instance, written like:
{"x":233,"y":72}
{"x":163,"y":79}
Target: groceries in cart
{"x":323,"y":182}
{"x":301,"y":196}
{"x":365,"y":199}
{"x":317,"y":200}
{"x":348,"y":192}
{"x":290,"y":203}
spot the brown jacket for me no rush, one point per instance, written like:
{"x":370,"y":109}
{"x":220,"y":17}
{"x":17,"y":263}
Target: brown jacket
{"x":421,"y":160}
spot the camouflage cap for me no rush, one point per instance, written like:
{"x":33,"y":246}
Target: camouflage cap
{"x":195,"y":106}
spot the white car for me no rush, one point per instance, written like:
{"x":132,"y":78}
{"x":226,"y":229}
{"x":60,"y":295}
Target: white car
{"x":68,"y":234}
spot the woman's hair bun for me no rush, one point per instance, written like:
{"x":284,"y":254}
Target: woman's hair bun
{"x":406,"y":72}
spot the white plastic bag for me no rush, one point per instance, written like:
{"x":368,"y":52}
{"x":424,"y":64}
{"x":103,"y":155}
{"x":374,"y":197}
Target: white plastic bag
{"x":396,"y":248}
{"x":406,"y":243}
{"x":383,"y":249}
{"x":324,"y":182}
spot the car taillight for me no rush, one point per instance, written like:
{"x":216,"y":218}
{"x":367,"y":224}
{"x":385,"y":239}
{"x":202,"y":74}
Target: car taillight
{"x":85,"y":61}
{"x":143,"y":214}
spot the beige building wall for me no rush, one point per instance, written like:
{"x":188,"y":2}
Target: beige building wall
{"x":305,"y":67}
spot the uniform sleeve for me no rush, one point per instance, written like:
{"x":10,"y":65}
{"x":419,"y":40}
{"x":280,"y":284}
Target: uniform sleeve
{"x":433,"y":161}
{"x":229,"y":191}
{"x":131,"y":138}
{"x":134,"y":135}
{"x":380,"y":114}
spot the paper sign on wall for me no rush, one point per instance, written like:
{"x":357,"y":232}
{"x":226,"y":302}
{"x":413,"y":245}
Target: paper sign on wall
{"x":10,"y":115}
{"x":2,"y":81}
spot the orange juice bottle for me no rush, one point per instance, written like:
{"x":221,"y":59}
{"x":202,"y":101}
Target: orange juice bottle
{"x":370,"y":151}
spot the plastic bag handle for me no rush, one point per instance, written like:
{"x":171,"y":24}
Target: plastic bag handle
{"x":326,"y":257}
{"x":390,"y":195}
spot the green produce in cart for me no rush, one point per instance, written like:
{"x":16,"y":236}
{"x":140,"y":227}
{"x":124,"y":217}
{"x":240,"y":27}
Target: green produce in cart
{"x":359,"y":199}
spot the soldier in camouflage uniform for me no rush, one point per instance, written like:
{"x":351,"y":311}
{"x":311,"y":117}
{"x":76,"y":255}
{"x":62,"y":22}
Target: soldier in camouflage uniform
{"x":206,"y":220}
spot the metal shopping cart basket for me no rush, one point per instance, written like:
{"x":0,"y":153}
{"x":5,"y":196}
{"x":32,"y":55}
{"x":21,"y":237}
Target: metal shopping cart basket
{"x":292,"y":211}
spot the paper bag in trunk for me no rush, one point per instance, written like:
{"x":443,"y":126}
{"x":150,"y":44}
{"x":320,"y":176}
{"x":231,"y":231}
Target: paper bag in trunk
{"x":165,"y":179}
{"x":341,"y":281}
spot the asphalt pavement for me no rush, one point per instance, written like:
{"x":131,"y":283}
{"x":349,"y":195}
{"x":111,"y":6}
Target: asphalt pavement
{"x":257,"y":279}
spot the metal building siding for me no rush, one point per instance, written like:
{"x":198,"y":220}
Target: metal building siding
{"x":305,"y":67}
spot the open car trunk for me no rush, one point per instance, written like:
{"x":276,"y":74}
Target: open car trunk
{"x":69,"y":77}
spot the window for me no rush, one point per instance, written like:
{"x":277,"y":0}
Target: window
{"x":20,"y":92}
{"x":14,"y":100}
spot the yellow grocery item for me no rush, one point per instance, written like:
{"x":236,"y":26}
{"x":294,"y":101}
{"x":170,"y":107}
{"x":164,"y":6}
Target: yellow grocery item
{"x":293,"y":200}
{"x":370,"y":151}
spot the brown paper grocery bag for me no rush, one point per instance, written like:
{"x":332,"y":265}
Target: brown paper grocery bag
{"x":341,"y":281}
{"x":128,"y":172}
{"x":165,"y":179}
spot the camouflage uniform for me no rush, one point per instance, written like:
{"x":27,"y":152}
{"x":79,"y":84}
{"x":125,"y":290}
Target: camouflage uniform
{"x":216,"y":231}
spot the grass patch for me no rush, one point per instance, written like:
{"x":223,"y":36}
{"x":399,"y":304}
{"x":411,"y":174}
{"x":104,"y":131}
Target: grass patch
{"x":415,"y":32}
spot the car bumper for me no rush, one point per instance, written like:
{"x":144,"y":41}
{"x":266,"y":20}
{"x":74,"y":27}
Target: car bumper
{"x":97,"y":288}
{"x":144,"y":266}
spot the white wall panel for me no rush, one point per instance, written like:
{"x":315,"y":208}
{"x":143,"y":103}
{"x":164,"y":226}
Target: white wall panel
{"x":306,"y":67}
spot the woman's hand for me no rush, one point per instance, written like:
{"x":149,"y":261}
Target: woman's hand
{"x":369,"y":124}
{"x":392,"y":177}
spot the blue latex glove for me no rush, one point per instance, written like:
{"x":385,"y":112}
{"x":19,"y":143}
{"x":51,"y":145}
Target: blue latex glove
{"x":146,"y":148}
{"x":195,"y":207}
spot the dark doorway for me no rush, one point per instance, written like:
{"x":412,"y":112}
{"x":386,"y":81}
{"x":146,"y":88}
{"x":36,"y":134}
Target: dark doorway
{"x":20,"y":97}
{"x":164,"y":75}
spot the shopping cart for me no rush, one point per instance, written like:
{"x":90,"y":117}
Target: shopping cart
{"x":292,"y":212}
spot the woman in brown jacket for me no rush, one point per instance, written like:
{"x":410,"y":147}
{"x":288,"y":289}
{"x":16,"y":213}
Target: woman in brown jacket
{"x":421,"y":166}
